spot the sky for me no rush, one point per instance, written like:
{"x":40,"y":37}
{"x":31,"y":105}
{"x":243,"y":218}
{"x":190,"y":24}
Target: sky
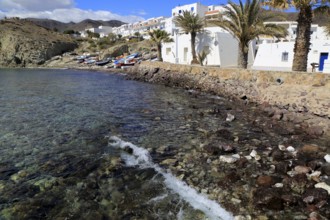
{"x":77,"y":10}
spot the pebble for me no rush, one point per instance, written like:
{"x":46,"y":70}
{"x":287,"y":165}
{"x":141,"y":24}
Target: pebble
{"x":290,"y":149}
{"x":253,"y":153}
{"x":230,"y":117}
{"x":264,"y":181}
{"x":229,"y":158}
{"x":323,"y":186}
{"x":278,"y":185}
{"x":281,"y":147}
{"x":242,"y":217}
{"x":169,"y":162}
{"x":248,"y":157}
{"x":235,"y":201}
{"x":327,"y":158}
{"x":257,"y":157}
{"x":314,"y":176}
{"x":302,"y":169}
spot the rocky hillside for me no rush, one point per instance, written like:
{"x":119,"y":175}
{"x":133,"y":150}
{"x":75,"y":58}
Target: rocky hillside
{"x":24,"y":44}
{"x":80,"y":26}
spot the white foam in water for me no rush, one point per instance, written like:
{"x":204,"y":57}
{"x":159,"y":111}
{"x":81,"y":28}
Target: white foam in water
{"x":158,"y":198}
{"x":180,"y":215}
{"x":141,"y":157}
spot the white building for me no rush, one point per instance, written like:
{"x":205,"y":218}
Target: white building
{"x":102,"y":30}
{"x":222,"y":47}
{"x":141,"y":26}
{"x":265,"y":53}
{"x":279,"y":55}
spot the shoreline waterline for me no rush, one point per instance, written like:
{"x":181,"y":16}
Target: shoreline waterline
{"x":200,"y":159}
{"x":141,"y":157}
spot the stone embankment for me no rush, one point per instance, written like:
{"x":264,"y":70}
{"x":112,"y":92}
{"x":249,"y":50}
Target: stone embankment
{"x":302,"y":98}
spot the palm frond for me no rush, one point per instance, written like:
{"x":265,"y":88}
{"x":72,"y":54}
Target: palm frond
{"x":189,"y":22}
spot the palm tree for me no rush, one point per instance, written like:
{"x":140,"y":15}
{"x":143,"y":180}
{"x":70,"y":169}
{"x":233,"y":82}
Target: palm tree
{"x":159,"y":37}
{"x":246,"y":23}
{"x":305,"y":18}
{"x":190,"y":23}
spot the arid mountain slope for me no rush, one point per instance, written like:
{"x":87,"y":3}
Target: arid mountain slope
{"x":80,"y":26}
{"x":24,"y":44}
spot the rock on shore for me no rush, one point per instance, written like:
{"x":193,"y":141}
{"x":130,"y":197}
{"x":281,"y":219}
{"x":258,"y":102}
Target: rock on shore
{"x":301,"y":98}
{"x":24,"y":44}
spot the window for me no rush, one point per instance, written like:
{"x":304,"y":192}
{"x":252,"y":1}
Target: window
{"x":285,"y":57}
{"x":185,"y":54}
{"x":192,"y":8}
{"x":168,"y":51}
{"x":180,"y":11}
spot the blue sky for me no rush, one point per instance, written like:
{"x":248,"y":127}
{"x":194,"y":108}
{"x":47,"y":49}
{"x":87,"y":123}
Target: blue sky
{"x":143,"y":8}
{"x":76,"y":10}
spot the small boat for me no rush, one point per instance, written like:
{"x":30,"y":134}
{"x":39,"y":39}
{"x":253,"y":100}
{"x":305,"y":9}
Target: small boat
{"x":90,"y":61}
{"x":102,"y":62}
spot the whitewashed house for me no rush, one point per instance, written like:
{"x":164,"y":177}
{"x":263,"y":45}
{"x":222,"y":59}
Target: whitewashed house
{"x":222,"y":47}
{"x":141,"y":27}
{"x":272,"y":55}
{"x":102,"y":30}
{"x":265,"y":53}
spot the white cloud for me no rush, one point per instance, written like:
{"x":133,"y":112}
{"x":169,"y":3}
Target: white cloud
{"x":69,"y":14}
{"x":35,"y":5}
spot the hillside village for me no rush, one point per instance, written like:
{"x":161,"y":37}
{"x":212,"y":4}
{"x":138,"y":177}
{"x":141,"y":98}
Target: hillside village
{"x":265,"y":53}
{"x":112,"y":40}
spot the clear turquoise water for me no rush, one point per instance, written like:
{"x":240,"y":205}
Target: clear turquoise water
{"x":55,"y":161}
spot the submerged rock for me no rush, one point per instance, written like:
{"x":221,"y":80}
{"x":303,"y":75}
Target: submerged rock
{"x":229,"y":158}
{"x":268,"y":198}
{"x":230,"y":117}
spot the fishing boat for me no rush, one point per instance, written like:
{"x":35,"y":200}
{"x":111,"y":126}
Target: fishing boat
{"x":103,"y":62}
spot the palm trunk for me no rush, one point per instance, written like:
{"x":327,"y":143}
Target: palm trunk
{"x":159,"y":52}
{"x":301,"y":46}
{"x":193,"y":49}
{"x":242,"y":56}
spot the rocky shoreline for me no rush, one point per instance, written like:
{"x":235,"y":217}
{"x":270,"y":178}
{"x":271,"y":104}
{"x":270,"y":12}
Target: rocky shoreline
{"x":254,"y":176}
{"x":278,"y":169}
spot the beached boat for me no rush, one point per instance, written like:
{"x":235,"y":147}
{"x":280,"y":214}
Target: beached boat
{"x":102,"y":62}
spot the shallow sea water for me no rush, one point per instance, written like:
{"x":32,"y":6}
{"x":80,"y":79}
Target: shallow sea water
{"x":61,"y":139}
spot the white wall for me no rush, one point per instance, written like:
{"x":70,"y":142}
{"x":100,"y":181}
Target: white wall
{"x":222,"y":47}
{"x":197,"y":8}
{"x":228,"y":47}
{"x":269,"y":56}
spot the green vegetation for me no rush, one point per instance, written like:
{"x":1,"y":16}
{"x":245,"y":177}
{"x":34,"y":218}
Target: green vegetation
{"x":202,"y":56}
{"x":246,"y":23}
{"x":190,"y":23}
{"x":92,"y":34}
{"x":159,"y":37}
{"x":327,"y":29}
{"x":305,"y":17}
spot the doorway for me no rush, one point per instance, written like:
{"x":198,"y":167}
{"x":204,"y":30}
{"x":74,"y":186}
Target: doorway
{"x":323,"y":56}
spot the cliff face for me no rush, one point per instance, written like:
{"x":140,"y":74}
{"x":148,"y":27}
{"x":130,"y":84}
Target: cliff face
{"x":24,"y":44}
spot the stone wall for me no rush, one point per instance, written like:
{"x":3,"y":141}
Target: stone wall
{"x":285,"y":95}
